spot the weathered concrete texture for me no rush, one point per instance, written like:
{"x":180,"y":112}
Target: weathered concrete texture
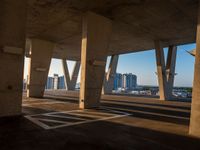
{"x":110,"y":75}
{"x":40,"y":59}
{"x":152,"y":125}
{"x":136,"y":23}
{"x":162,"y":79}
{"x":70,"y":81}
{"x":195,"y":111}
{"x":12,"y":45}
{"x":170,"y":69}
{"x":166,"y":72}
{"x":95,"y":41}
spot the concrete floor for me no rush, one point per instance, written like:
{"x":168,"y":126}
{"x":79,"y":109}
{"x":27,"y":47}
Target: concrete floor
{"x":152,"y":124}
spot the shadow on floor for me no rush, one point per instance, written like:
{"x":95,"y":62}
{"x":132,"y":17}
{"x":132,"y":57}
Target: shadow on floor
{"x":143,"y":111}
{"x":151,"y":104}
{"x":23,"y":135}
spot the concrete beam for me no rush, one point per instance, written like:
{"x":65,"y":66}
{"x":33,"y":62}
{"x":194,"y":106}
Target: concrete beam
{"x":40,"y":58}
{"x":95,"y":41}
{"x":195,"y":109}
{"x":12,"y":45}
{"x":109,"y":77}
{"x":166,"y":72}
{"x":70,"y":81}
{"x":192,"y":52}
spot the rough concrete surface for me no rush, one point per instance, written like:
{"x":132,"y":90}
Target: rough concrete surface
{"x":153,"y":124}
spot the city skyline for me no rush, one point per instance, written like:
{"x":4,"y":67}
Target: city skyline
{"x":128,"y":63}
{"x":127,"y":81}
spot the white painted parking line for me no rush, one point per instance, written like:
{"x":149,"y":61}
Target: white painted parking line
{"x":59,"y":116}
{"x":74,"y":117}
{"x":37,"y":122}
{"x":51,"y":120}
{"x":89,"y":121}
{"x":42,"y":103}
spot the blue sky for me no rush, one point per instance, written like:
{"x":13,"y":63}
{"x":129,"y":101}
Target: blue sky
{"x":143,"y":65}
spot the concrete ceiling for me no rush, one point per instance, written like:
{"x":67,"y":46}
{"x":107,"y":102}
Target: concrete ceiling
{"x":136,"y":23}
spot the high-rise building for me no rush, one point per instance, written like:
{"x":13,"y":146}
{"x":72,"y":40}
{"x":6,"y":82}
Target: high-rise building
{"x":129,"y":81}
{"x":61,"y":82}
{"x":117,"y":81}
{"x":50,"y":83}
{"x":55,"y":81}
{"x":126,"y":81}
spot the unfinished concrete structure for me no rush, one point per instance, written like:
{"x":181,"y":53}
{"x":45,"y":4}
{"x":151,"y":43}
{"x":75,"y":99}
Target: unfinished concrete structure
{"x":95,"y":41}
{"x":12,"y":45}
{"x":40,"y":54}
{"x":109,"y":28}
{"x":70,"y":80}
{"x":165,"y":72}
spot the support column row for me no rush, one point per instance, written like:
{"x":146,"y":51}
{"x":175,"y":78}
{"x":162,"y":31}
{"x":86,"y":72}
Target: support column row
{"x":95,"y":41}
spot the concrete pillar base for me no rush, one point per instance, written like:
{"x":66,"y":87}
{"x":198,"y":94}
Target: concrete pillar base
{"x":37,"y":91}
{"x":40,"y":59}
{"x":95,"y":41}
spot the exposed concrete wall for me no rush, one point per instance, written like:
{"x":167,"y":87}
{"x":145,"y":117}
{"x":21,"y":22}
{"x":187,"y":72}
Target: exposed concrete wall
{"x":95,"y":41}
{"x":70,"y":81}
{"x":195,"y":109}
{"x":109,"y":77}
{"x":12,"y":45}
{"x":40,"y":59}
{"x":166,"y":72}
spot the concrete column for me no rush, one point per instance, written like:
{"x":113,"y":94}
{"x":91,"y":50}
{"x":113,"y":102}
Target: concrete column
{"x":170,"y":69}
{"x":12,"y":45}
{"x":109,"y":77}
{"x":195,"y":109}
{"x":40,"y":58}
{"x":95,"y":41}
{"x":66,"y":73}
{"x":166,"y":72}
{"x":161,"y":72}
{"x":70,"y":82}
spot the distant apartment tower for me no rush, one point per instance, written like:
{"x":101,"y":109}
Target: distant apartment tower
{"x":50,"y":83}
{"x":117,"y":81}
{"x":55,"y":82}
{"x":61,"y":82}
{"x":129,"y":81}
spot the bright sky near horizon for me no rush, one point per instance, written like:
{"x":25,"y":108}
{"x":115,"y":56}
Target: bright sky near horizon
{"x":143,"y":65}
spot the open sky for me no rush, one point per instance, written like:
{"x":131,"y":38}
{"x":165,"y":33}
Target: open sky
{"x":143,"y":65}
